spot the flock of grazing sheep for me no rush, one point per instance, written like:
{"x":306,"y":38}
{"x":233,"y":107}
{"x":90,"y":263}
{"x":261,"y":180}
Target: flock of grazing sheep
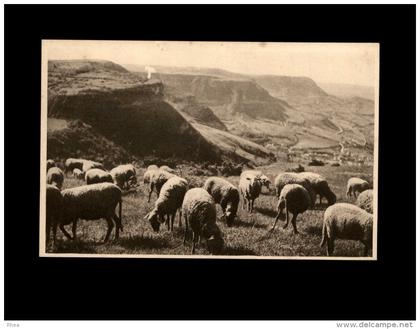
{"x":296,"y":193}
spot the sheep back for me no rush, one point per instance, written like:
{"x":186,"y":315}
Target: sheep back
{"x":55,"y":177}
{"x":54,"y":201}
{"x":171,"y":195}
{"x":319,"y":185}
{"x":357,"y":184}
{"x":293,"y":178}
{"x":72,"y":163}
{"x":50,"y":164}
{"x":88,"y":164}
{"x":347,"y":221}
{"x":225,"y":194}
{"x":365,"y":201}
{"x":295,"y":197}
{"x":90,"y":202}
{"x":94,"y":176}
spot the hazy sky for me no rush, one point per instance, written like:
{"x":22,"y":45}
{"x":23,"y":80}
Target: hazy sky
{"x":323,"y":62}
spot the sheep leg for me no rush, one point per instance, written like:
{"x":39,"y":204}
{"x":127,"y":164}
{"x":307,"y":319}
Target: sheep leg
{"x":186,"y":229}
{"x":275,"y":222}
{"x":365,"y":249}
{"x":118,"y":225}
{"x":295,"y":231}
{"x":168,"y":219}
{"x":330,"y":246}
{"x":193,"y":243}
{"x":110,"y":227}
{"x":74,"y":229}
{"x":150,"y":192}
{"x":180,"y":219}
{"x":172,"y":220}
{"x":287,"y":220}
{"x":68,"y":236}
{"x":54,"y":228}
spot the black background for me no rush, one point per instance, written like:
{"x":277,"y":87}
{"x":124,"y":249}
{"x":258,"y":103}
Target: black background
{"x":47,"y":288}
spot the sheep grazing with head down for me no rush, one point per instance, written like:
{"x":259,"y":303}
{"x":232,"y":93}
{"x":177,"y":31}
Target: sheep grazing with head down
{"x":50,"y":164}
{"x":294,"y":178}
{"x":169,"y":201}
{"x":356,"y":184}
{"x":294,"y":198}
{"x":94,"y":176}
{"x":157,"y":179}
{"x":152,"y":167}
{"x":124,"y":176}
{"x":250,"y":189}
{"x":91,"y":202}
{"x":225,"y":194}
{"x":147,"y":176}
{"x":55,"y":177}
{"x":54,"y":203}
{"x":320,"y":187}
{"x":365,"y":201}
{"x":77,"y":173}
{"x":168,"y":169}
{"x":199,"y":212}
{"x":72,"y":164}
{"x":346,"y":221}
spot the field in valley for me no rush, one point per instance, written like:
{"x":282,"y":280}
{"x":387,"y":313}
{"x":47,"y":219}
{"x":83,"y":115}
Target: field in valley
{"x":249,"y":236}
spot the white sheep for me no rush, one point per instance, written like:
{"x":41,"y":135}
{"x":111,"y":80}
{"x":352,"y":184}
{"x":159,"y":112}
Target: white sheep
{"x":365,"y":201}
{"x":225,"y":194}
{"x":77,"y":173}
{"x":356,"y":184}
{"x":50,"y":164}
{"x":169,"y":201}
{"x":72,"y":164}
{"x":264,"y":179}
{"x":92,"y":202}
{"x":54,"y":203}
{"x":199,"y":212}
{"x":94,"y":176}
{"x":55,"y":177}
{"x":152,"y":167}
{"x":147,"y":176}
{"x":168,"y":169}
{"x":293,"y":178}
{"x":294,"y":198}
{"x":157,"y":179}
{"x":250,"y":189}
{"x":346,"y":221}
{"x":88,"y":164}
{"x":124,"y":175}
{"x":320,"y":187}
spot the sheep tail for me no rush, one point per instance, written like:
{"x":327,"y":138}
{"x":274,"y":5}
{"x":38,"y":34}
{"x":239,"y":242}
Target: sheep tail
{"x":324,"y":235}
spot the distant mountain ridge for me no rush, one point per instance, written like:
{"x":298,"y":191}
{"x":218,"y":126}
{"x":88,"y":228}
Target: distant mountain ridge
{"x":281,"y":111}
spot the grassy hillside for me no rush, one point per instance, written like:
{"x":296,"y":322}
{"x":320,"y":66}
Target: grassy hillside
{"x":249,"y":235}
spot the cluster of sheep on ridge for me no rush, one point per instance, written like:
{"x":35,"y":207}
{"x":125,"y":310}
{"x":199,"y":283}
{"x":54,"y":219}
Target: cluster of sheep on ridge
{"x":296,"y":193}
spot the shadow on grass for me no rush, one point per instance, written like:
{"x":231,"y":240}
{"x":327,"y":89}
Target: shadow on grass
{"x":78,"y":247}
{"x":231,"y":250}
{"x":314,"y":230}
{"x":143,"y":242}
{"x":242,"y":223}
{"x":266,"y":211}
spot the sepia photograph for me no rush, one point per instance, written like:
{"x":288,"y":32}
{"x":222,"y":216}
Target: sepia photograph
{"x":190,"y":149}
